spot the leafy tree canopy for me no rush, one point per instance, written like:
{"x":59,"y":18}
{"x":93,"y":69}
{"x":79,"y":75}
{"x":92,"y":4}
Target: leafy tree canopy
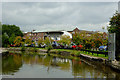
{"x":11,"y":29}
{"x":114,"y":23}
{"x":66,"y":40}
{"x":9,"y":32}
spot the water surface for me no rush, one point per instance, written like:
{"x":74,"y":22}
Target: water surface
{"x":38,"y":66}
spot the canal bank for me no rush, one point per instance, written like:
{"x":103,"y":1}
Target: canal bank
{"x":113,"y":64}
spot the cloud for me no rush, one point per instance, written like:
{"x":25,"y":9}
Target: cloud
{"x":85,"y":15}
{"x":0,"y":12}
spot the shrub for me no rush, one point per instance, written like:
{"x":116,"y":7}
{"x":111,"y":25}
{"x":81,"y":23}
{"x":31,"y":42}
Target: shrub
{"x":77,"y":53}
{"x":23,"y":48}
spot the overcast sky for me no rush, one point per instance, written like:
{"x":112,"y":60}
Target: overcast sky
{"x":58,"y":15}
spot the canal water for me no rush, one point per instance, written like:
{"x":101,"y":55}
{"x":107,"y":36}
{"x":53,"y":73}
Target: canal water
{"x":39,"y":66}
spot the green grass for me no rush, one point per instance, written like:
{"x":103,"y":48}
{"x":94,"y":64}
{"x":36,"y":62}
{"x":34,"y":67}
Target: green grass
{"x":75,"y":52}
{"x":95,"y":55}
{"x":63,"y":50}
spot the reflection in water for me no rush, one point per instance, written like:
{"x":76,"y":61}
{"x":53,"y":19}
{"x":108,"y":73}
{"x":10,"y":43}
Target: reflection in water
{"x":80,"y":69}
{"x":11,"y":63}
{"x":49,"y":66}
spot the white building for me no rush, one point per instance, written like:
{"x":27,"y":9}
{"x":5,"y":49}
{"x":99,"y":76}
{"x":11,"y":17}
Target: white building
{"x":55,"y":35}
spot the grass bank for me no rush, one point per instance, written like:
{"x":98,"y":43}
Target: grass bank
{"x":77,"y":53}
{"x":72,"y":52}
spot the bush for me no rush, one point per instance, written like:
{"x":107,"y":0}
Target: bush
{"x":23,"y":48}
{"x":35,"y":49}
{"x":59,"y":52}
{"x":77,"y":53}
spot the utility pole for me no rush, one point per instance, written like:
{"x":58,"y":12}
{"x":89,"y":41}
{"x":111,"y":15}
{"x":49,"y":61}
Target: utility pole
{"x":111,"y":46}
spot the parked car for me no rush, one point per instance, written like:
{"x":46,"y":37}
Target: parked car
{"x":79,"y":46}
{"x":102,"y":48}
{"x":57,"y":45}
{"x":73,"y":45}
{"x":26,"y":45}
{"x":54,"y":44}
{"x":43,"y":45}
{"x":36,"y":45}
{"x":32,"y":45}
{"x":61,"y":46}
{"x":12,"y":45}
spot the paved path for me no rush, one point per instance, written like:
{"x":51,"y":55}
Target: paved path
{"x":2,"y":50}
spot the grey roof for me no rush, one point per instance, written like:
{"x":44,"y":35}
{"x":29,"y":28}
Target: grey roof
{"x":48,"y":31}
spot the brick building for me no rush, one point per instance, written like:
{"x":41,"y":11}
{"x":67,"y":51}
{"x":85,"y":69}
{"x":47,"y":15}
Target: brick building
{"x":55,"y":35}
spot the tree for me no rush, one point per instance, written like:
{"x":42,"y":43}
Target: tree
{"x":79,"y":38}
{"x":83,"y":39}
{"x":11,"y":31}
{"x":115,"y":28}
{"x":87,"y":44}
{"x":18,"y":41}
{"x":28,"y":40}
{"x":97,"y":40}
{"x":48,"y":42}
{"x":66,"y":40}
{"x":114,"y":24}
{"x":40,"y":41}
{"x":12,"y":38}
{"x":5,"y":39}
{"x":89,"y":41}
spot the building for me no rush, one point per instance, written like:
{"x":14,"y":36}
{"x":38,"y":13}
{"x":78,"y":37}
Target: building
{"x":55,"y":35}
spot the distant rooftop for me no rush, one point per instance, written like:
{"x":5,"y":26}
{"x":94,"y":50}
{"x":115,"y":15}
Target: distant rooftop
{"x":59,"y":30}
{"x":48,"y":31}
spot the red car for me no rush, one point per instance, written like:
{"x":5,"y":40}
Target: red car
{"x":12,"y":45}
{"x":74,"y":46}
{"x":80,"y":46}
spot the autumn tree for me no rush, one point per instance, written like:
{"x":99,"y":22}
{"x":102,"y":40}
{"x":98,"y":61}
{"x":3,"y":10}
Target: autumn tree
{"x":76,"y":38}
{"x":82,"y":38}
{"x":18,"y":41}
{"x":40,"y":41}
{"x":97,"y":40}
{"x":89,"y":41}
{"x":28,"y":40}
